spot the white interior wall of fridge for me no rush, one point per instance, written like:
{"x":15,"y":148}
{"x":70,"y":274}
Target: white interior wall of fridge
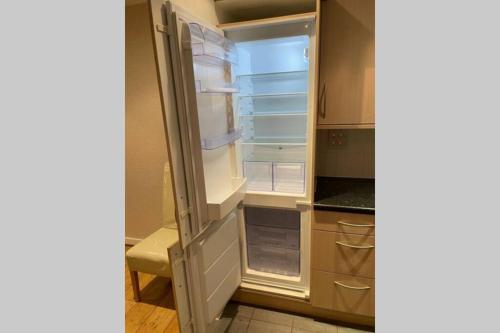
{"x":272,"y":108}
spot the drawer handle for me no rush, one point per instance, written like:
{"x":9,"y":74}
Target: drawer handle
{"x":351,"y":287}
{"x":355,"y":246}
{"x":356,"y":225}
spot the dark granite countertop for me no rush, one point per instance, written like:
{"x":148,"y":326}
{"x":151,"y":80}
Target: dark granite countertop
{"x":355,"y":195}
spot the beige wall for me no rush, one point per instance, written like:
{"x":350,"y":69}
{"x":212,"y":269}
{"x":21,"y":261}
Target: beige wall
{"x":354,"y":159}
{"x":146,"y":150}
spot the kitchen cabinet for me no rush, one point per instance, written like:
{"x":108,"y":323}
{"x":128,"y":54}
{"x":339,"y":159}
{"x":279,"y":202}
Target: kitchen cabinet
{"x":346,"y":96}
{"x":343,"y":262}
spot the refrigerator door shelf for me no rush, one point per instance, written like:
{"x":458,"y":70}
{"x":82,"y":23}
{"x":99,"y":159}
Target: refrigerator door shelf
{"x":207,"y":45}
{"x":220,"y":205}
{"x":227,"y":88}
{"x":214,"y":143}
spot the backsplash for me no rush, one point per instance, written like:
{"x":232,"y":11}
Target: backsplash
{"x":345,"y":153}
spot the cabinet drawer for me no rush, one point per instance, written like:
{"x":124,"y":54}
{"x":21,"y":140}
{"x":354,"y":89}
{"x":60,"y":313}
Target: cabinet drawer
{"x":361,"y":224}
{"x":343,"y":253}
{"x":343,"y":293}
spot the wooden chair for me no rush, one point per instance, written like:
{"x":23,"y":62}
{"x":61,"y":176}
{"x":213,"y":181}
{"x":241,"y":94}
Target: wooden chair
{"x":151,"y":254}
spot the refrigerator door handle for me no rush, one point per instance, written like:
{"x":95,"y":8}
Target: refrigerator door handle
{"x":322,"y":102}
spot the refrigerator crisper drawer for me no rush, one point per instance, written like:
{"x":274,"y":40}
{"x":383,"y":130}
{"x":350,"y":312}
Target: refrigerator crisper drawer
{"x":276,"y":237}
{"x":274,"y":260}
{"x":259,"y":175}
{"x":288,"y":177}
{"x":281,"y":177}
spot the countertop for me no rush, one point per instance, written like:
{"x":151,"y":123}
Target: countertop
{"x":356,"y":195}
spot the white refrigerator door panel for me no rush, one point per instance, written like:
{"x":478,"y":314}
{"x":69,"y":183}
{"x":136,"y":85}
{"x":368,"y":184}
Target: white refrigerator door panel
{"x":206,"y":265}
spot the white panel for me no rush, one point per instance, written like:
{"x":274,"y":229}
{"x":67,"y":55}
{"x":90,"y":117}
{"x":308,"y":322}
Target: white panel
{"x":179,"y":285}
{"x":218,"y":300}
{"x":218,"y":241}
{"x":218,"y":271}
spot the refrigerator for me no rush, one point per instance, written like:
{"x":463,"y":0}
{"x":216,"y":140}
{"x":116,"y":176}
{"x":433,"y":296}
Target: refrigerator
{"x":239,"y":105}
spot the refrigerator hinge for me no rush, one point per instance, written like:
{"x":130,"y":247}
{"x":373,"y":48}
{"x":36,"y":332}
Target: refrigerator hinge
{"x":162,"y":28}
{"x":185,"y":213}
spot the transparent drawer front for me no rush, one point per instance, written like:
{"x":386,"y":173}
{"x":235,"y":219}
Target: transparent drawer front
{"x":288,"y":177}
{"x":259,"y":175}
{"x":274,"y":260}
{"x":273,"y":217}
{"x":275,"y":237}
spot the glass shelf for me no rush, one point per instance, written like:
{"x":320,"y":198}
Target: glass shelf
{"x":214,"y":143}
{"x":274,"y":83}
{"x":264,"y":104}
{"x":276,"y":75}
{"x":275,"y":141}
{"x":262,"y":114}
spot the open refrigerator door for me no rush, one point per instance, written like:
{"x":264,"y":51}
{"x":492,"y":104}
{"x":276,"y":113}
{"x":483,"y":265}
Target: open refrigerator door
{"x":238,"y":120}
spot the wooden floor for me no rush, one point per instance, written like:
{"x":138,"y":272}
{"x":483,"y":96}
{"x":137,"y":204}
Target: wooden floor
{"x":156,"y":311}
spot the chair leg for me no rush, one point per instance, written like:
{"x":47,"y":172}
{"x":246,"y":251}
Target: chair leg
{"x":134,"y":276}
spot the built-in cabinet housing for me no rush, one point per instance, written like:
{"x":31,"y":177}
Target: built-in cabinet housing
{"x":343,"y":262}
{"x":347,"y":64}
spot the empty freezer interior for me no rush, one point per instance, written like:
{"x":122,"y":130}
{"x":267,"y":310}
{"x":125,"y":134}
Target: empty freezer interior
{"x":271,"y":107}
{"x":273,"y":240}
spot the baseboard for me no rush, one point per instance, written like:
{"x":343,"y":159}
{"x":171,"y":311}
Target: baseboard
{"x":132,"y":240}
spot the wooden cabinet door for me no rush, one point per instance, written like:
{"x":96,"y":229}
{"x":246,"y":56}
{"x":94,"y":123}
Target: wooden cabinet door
{"x":343,"y":253}
{"x":344,"y":293}
{"x":347,"y":64}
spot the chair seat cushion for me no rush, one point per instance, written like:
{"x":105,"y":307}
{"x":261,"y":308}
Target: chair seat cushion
{"x":151,"y":254}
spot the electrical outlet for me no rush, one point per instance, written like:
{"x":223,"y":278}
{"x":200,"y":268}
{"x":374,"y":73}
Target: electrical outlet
{"x":336,"y":138}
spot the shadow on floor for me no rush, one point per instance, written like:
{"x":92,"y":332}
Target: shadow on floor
{"x":159,"y":292}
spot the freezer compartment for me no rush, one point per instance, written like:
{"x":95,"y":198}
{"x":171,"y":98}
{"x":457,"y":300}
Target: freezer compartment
{"x":272,"y":217}
{"x":273,"y":227}
{"x":274,"y":260}
{"x":276,"y":237}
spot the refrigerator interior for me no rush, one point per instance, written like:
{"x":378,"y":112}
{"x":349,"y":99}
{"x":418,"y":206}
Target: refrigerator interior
{"x":273,"y":77}
{"x":252,"y":102}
